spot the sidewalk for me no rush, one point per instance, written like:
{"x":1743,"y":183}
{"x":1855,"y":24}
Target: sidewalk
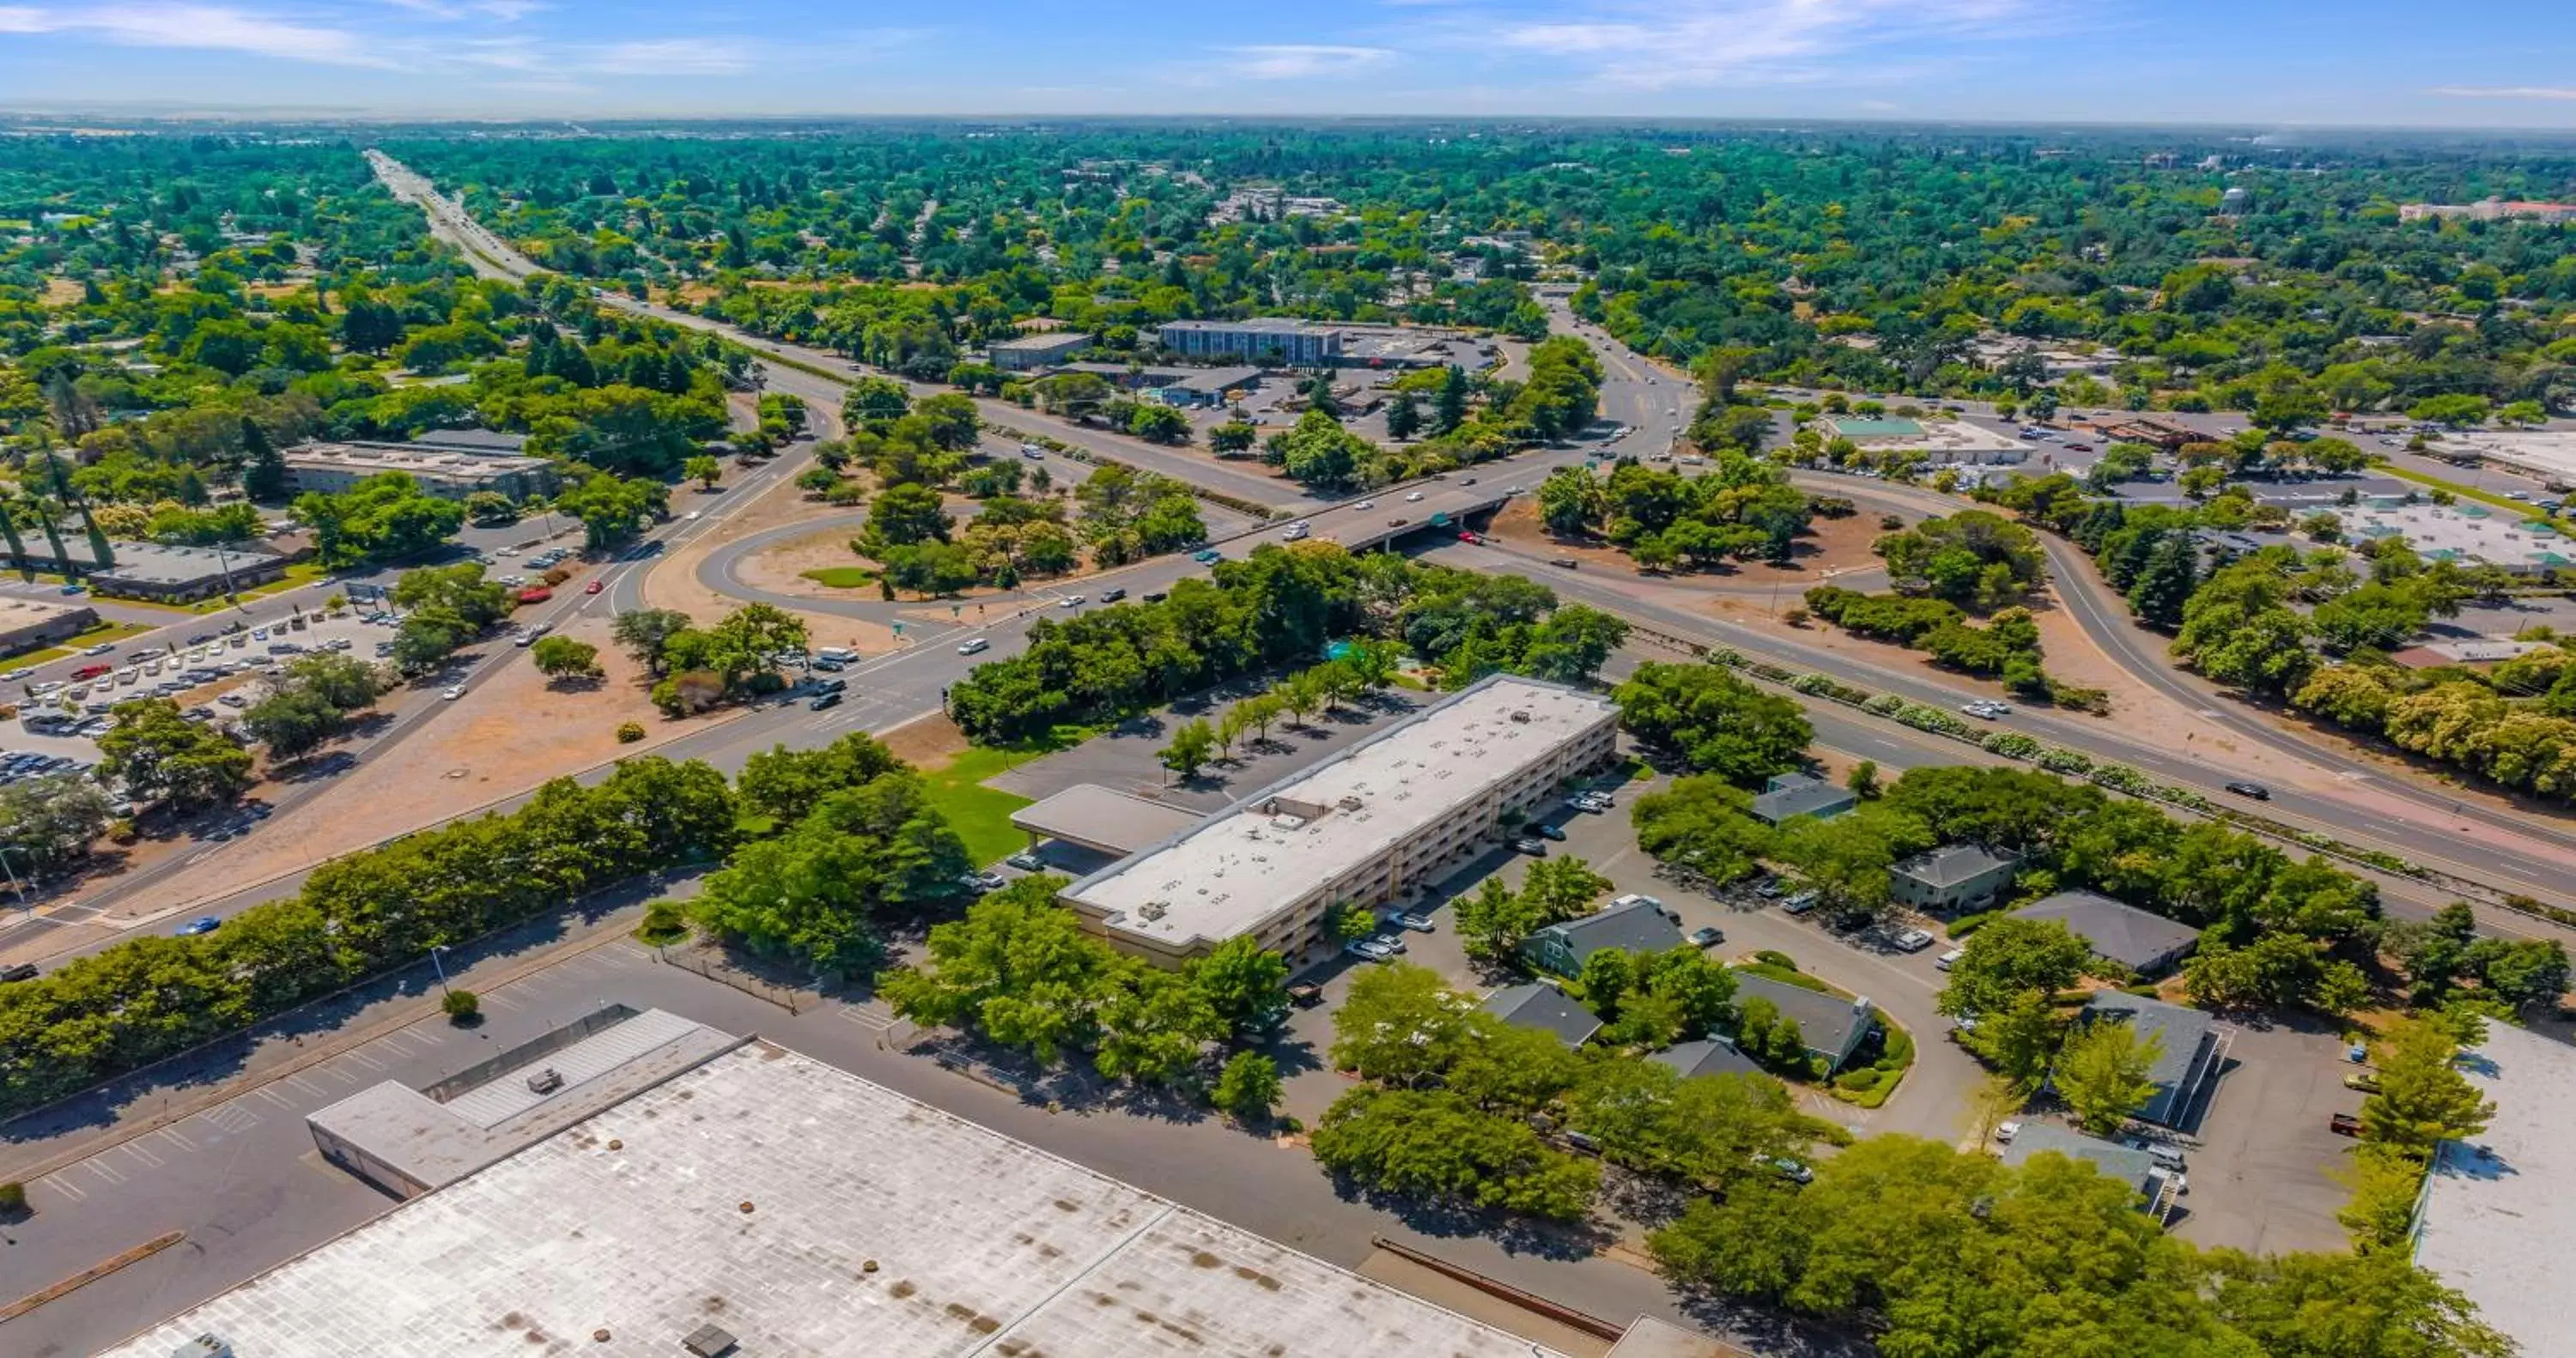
{"x":43,"y":1140}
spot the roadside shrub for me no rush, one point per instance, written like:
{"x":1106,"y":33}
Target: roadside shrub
{"x":13,"y":1199}
{"x":122,"y":832}
{"x":2064,"y":761}
{"x":629,"y":732}
{"x":1776,"y":959}
{"x":1885,"y":705}
{"x":1968,"y":924}
{"x":463,"y":1007}
{"x":2010,"y":744}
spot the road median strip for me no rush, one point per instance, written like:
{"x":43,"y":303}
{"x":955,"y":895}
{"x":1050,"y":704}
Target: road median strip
{"x":90,"y":1275}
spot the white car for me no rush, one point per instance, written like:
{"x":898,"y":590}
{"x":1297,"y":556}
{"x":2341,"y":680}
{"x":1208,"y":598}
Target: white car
{"x":692,"y":514}
{"x":1986,"y":710}
{"x":453,"y":692}
{"x":106,"y":646}
{"x":1913,"y":940}
{"x":1949,"y":959}
{"x":1365,"y":504}
{"x":975,"y":647}
{"x":1415,"y":496}
{"x":2005,"y":1132}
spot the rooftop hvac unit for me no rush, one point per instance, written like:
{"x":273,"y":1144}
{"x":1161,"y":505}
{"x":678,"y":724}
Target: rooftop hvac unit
{"x":204,"y":1346}
{"x":1153,"y":910}
{"x":707,"y":1341}
{"x":1521,"y":715}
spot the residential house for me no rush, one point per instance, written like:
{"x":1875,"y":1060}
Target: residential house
{"x":1801,"y":794}
{"x":1709,"y":1056}
{"x":2193,"y":1049}
{"x":1953,"y":877}
{"x":1632,"y":924}
{"x":1542,"y":1006}
{"x":1831,"y":1026}
{"x":2140,"y":940}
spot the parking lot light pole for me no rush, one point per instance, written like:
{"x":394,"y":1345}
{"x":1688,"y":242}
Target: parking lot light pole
{"x":440,"y":967}
{"x":14,"y":880}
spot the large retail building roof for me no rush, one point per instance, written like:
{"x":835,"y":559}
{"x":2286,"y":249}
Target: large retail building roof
{"x":2496,"y":1220}
{"x":804,"y":1211}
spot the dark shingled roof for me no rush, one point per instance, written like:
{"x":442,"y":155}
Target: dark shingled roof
{"x":2134,"y":938}
{"x":1636,"y":927}
{"x":2179,"y":1066}
{"x":1546,"y":1008}
{"x":1951,"y":865}
{"x":1708,"y":1057}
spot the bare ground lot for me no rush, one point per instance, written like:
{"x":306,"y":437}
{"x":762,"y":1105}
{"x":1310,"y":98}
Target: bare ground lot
{"x":1835,"y":551}
{"x":507,"y":735}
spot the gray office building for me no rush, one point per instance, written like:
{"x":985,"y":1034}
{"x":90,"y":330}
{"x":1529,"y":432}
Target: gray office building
{"x":1283,"y":341}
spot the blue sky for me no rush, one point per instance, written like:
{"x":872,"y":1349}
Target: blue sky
{"x":2378,"y":62}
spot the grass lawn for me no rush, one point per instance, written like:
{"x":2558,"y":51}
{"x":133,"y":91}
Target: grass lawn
{"x":982,"y":815}
{"x":114,"y":631}
{"x":842,"y":577}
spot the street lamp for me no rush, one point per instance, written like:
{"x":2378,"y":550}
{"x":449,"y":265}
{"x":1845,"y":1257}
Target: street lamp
{"x":441,"y":968}
{"x":21,"y":886}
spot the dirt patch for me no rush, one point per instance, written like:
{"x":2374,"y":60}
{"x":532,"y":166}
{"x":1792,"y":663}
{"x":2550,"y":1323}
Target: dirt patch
{"x":63,"y":292}
{"x":930,"y":743}
{"x":509,"y":734}
{"x":782,"y":567}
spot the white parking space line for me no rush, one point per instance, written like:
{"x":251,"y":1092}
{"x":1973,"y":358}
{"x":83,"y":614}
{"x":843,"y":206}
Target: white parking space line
{"x":276,"y":1099}
{"x":104,"y":1172}
{"x":369,"y":1062}
{"x":171,"y":1134}
{"x":64,"y":1186}
{"x":307,"y":1086}
{"x":498,"y":1001}
{"x":232,"y":1117}
{"x":135,"y":1150}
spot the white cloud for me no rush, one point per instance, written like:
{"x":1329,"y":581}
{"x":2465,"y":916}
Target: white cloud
{"x":213,"y":27}
{"x":1683,"y":43}
{"x":2505,"y":91}
{"x":507,"y":11}
{"x":669,"y":56}
{"x":1305,"y":61}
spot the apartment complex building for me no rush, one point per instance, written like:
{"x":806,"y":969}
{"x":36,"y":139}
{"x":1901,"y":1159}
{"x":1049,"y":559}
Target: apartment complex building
{"x":1393,"y":813}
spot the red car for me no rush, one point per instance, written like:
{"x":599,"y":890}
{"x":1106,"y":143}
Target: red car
{"x":594,"y":587}
{"x":537,"y":595}
{"x":1469,"y":537}
{"x":91,"y":671}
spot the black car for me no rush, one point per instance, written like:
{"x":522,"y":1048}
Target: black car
{"x":1111,"y":596}
{"x":2256,"y":791}
{"x":833,"y":686}
{"x":24,"y":971}
{"x":1548,"y":832}
{"x":1156,"y":597}
{"x":826,"y":700}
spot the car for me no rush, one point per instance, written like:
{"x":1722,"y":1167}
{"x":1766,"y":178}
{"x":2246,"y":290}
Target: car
{"x":1111,"y":596}
{"x":1912,"y":940}
{"x":1801,"y":903}
{"x":1416,"y":921}
{"x":2362,"y":1080}
{"x":202,"y":924}
{"x":1466,"y":480}
{"x":259,"y":634}
{"x":1949,"y":959}
{"x":1706,"y":936}
{"x":103,"y":648}
{"x":73,"y":589}
{"x":1398,"y":521}
{"x":2343,"y":1124}
{"x":1985,"y":709}
{"x":1564,"y":563}
{"x":1292,"y":533}
{"x":1305,"y":994}
{"x":1595,"y":802}
{"x":2256,"y":791}
{"x":1207,"y":556}
{"x":453,"y":692}
{"x":1156,"y":597}
{"x":1368,"y":950}
{"x":1469,"y":535}
{"x":2166,"y":1156}
{"x":1365,"y":504}
{"x":14,"y":676}
{"x":828,"y":665}
{"x":23,"y":971}
{"x":1535,"y":848}
{"x":1787,"y":1168}
{"x":2005,"y":1132}
{"x":974,"y":646}
{"x":692,"y":514}
{"x":1026,"y":860}
{"x":232,"y":700}
{"x":92,"y":671}
{"x":1070,"y":601}
{"x":594,"y":587}
{"x":1392,"y":940}
{"x":1032,"y":450}
{"x":833,"y":686}
{"x":1413,"y":498}
{"x":986,"y":880}
{"x":1548,"y":832}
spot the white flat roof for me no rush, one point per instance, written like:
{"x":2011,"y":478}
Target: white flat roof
{"x":808,"y":1212}
{"x":1245,"y":865}
{"x":2497,"y":1221}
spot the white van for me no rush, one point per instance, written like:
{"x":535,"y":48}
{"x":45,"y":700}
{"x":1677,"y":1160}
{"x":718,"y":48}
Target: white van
{"x":843,"y":654}
{"x":975,"y":647}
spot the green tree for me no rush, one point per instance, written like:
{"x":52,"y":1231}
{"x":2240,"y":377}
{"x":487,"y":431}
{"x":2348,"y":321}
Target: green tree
{"x":1154,"y":1026}
{"x":645,"y":632}
{"x":1718,"y":723}
{"x":1248,"y":1088}
{"x":704,"y":470}
{"x":2423,"y":1098}
{"x":2386,"y":1183}
{"x":2103,"y":1073}
{"x":1193,"y":744}
{"x":1244,"y":984}
{"x":1562,"y":888}
{"x":2011,"y":957}
{"x":1494,"y":920}
{"x":1433,"y":1145}
{"x":158,"y":753}
{"x":559,"y":657}
{"x":1401,"y":1025}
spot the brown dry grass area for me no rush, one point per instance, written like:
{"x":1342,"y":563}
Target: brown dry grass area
{"x":511,"y":733}
{"x":929,"y":743}
{"x":782,"y":567}
{"x":62,"y":292}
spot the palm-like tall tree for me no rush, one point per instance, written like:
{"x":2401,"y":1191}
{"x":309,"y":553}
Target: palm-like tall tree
{"x":10,"y":507}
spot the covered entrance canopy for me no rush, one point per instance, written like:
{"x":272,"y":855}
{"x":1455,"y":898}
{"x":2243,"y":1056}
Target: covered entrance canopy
{"x":1104,"y":819}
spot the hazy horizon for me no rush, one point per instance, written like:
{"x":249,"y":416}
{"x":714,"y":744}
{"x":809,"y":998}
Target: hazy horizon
{"x":2365,"y":65}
